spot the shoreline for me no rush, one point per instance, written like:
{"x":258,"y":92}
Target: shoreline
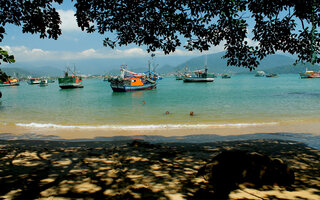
{"x":90,"y":132}
{"x":305,"y":132}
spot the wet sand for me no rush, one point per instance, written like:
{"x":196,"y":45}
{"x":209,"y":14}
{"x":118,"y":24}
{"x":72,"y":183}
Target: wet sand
{"x":91,"y":133}
{"x":119,"y":170}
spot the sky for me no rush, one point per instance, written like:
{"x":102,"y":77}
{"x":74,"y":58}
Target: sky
{"x":73,"y":44}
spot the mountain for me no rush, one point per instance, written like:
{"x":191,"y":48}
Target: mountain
{"x":16,"y":72}
{"x":292,"y":69}
{"x":32,"y":71}
{"x":217,"y":64}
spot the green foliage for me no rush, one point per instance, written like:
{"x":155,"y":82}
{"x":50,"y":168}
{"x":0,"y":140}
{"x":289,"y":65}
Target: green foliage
{"x":283,"y":25}
{"x":5,"y":57}
{"x":162,"y":24}
{"x":3,"y":76}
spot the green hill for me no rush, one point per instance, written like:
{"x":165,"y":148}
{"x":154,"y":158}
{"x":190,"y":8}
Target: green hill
{"x":292,"y":69}
{"x":217,"y":64}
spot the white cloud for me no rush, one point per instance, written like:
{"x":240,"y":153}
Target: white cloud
{"x":69,"y":22}
{"x":25,"y":54}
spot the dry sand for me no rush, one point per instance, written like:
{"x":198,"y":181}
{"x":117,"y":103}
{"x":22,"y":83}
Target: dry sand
{"x":117,"y":170}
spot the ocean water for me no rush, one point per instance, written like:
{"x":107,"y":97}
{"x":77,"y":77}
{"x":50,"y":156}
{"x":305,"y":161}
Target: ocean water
{"x":243,"y":100}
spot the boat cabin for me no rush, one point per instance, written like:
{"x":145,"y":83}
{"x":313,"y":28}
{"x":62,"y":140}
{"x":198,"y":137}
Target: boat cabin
{"x":135,"y":82}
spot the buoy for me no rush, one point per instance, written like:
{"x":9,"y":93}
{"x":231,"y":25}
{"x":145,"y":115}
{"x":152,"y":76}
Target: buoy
{"x":143,"y":102}
{"x":191,"y":113}
{"x":167,"y":112}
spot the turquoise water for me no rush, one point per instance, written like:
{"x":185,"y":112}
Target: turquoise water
{"x":241,"y":99}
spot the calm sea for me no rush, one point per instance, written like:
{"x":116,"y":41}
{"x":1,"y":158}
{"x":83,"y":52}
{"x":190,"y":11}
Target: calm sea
{"x":241,"y":100}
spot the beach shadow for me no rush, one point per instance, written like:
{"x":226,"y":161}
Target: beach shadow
{"x":136,"y":169}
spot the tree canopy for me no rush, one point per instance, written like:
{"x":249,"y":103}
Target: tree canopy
{"x":282,"y":25}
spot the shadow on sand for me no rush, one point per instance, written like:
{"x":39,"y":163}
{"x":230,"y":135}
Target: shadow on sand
{"x":140,"y":170}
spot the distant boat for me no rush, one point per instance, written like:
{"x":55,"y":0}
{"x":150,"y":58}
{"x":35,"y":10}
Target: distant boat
{"x":270,"y":75}
{"x":200,"y":75}
{"x":130,"y":81}
{"x":43,"y":83}
{"x":70,"y":81}
{"x":225,"y":76}
{"x":260,"y":74}
{"x":179,"y":77}
{"x":10,"y":82}
{"x":33,"y":81}
{"x":310,"y":74}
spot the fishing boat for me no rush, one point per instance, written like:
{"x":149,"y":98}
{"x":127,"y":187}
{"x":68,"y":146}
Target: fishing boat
{"x":179,"y":77}
{"x":271,"y":75}
{"x":130,"y":81}
{"x":10,"y":82}
{"x":260,"y":74}
{"x":43,"y":83}
{"x":70,"y":80}
{"x":50,"y":81}
{"x":33,"y":81}
{"x":310,"y":74}
{"x":200,"y":75}
{"x":225,"y":76}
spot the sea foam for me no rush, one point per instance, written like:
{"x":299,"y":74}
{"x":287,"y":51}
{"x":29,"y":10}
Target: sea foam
{"x":143,"y":127}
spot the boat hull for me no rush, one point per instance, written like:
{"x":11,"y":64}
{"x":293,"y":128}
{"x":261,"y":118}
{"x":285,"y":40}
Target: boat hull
{"x":70,"y":86}
{"x":306,"y":75}
{"x":127,"y":88}
{"x":197,"y":79}
{"x":8,"y":84}
{"x":33,"y":82}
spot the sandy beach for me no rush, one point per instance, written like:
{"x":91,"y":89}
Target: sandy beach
{"x":33,"y":169}
{"x":82,"y":132}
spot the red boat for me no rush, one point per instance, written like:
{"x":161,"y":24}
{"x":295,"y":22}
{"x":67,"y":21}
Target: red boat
{"x":310,"y":74}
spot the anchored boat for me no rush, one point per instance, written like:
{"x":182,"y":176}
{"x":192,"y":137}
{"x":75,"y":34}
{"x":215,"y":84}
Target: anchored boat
{"x":225,"y":76}
{"x":34,"y":81}
{"x":310,"y":74}
{"x":70,"y":81}
{"x":130,"y":81}
{"x":260,"y":74}
{"x":10,"y":82}
{"x":43,"y":83}
{"x":200,"y":75}
{"x":271,"y":75}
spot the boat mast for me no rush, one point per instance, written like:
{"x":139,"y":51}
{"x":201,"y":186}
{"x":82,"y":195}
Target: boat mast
{"x":205,"y":64}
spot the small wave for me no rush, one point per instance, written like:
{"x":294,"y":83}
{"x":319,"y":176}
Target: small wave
{"x":143,"y":127}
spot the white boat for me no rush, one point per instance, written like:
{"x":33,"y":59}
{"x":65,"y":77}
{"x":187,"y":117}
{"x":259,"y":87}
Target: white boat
{"x":200,"y":75}
{"x":34,"y":81}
